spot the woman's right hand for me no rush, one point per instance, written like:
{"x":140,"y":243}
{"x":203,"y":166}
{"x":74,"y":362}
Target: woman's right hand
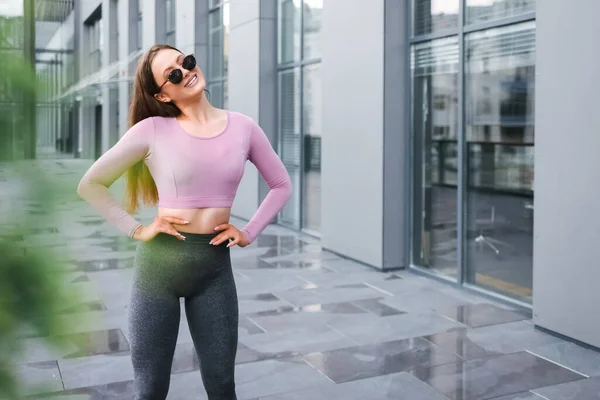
{"x":160,"y":225}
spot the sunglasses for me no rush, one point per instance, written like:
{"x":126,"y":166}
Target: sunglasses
{"x":176,"y":76}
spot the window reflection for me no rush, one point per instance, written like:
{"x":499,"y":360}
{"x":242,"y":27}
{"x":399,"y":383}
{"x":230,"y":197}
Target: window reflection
{"x":431,"y":16}
{"x":499,"y":128}
{"x":435,"y":102}
{"x":487,"y":10}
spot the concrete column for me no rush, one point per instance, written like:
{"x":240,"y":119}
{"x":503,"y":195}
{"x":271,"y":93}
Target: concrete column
{"x":149,"y":24}
{"x":185,"y":25}
{"x":109,"y":94}
{"x":244,"y":87}
{"x":364,"y":131}
{"x":127,"y":22}
{"x":251,"y":80}
{"x":565,"y":266}
{"x":201,"y":33}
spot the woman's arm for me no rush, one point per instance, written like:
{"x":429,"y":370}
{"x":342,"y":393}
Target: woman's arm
{"x":135,"y":145}
{"x":268,"y":163}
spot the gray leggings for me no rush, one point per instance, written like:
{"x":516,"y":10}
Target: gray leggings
{"x":167,"y":269}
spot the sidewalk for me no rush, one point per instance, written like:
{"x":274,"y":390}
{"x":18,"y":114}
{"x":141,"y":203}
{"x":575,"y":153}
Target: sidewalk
{"x":313,"y":326}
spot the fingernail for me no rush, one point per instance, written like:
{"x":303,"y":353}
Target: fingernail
{"x":186,"y":222}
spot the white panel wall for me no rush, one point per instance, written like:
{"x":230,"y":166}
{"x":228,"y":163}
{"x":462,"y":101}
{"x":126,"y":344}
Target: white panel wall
{"x":567,"y":192}
{"x":244,"y":88}
{"x":352,"y":153}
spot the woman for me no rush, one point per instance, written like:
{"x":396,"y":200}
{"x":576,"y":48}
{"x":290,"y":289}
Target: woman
{"x":187,"y":157}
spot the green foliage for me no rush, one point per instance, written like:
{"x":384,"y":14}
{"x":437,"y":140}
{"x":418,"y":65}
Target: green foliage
{"x":30,"y":293}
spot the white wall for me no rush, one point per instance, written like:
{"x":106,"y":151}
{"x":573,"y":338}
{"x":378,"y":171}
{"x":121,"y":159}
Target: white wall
{"x":567,"y":192}
{"x":243,"y":88}
{"x":352,"y":144}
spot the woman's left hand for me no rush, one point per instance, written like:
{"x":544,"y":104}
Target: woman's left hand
{"x":230,"y":232}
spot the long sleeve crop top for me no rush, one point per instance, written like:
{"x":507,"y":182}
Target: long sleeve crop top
{"x":189,"y":171}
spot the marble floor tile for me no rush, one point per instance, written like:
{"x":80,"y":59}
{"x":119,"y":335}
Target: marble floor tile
{"x":375,"y":306}
{"x":289,"y":318}
{"x":297,"y":341}
{"x":494,"y":377}
{"x":400,"y":386}
{"x":42,"y":377}
{"x":260,"y":302}
{"x":112,"y":391}
{"x":361,"y":362}
{"x":104,"y":264}
{"x":96,"y":370}
{"x":270,"y":377}
{"x":249,"y":327}
{"x":521,"y":396}
{"x":570,"y":355}
{"x":586,"y":389}
{"x":458,"y":342}
{"x":395,"y":327}
{"x":253,"y":380}
{"x":99,"y":342}
{"x":327,"y":295}
{"x":482,"y":314}
{"x":511,"y":338}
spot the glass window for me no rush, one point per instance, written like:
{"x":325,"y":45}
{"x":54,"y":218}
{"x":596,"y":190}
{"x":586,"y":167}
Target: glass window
{"x":289,"y":30}
{"x":313,"y":10}
{"x":432,"y":16}
{"x":486,"y":10}
{"x":434,"y":68}
{"x":170,"y":22}
{"x":499,"y":129}
{"x":289,"y":146}
{"x":313,"y":122}
{"x":216,"y":54}
{"x":216,"y":93}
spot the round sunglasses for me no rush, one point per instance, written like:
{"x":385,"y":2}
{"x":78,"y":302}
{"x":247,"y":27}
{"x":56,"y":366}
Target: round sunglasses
{"x":176,"y":76}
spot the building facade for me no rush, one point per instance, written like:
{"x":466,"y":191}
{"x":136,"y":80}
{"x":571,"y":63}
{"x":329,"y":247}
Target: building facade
{"x":408,"y":127}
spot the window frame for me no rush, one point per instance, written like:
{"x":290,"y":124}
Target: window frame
{"x":286,"y":67}
{"x":460,"y":32}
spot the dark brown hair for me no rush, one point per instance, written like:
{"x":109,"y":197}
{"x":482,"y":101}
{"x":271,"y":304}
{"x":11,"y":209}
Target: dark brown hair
{"x":140,"y":184}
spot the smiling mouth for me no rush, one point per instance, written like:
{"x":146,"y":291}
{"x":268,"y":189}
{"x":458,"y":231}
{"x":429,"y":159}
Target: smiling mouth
{"x":192,"y":81}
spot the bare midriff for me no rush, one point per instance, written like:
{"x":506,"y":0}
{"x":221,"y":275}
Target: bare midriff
{"x":201,"y":220}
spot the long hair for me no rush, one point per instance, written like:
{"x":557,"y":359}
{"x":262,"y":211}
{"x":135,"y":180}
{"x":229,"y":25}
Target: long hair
{"x":140,"y":185}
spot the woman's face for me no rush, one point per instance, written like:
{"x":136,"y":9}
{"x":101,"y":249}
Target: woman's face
{"x":191,"y":86}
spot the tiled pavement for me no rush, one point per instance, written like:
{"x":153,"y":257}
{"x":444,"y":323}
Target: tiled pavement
{"x":313,"y":326}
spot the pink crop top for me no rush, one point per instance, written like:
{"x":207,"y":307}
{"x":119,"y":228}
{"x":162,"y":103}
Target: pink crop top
{"x":190,"y":171}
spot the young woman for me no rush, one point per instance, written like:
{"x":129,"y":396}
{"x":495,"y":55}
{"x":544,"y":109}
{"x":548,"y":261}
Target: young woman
{"x":187,"y":157}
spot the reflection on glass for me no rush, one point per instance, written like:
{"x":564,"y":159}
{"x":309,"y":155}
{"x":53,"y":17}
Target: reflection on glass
{"x":215,"y":68}
{"x":313,"y":10}
{"x":225,"y":38}
{"x":499,"y":128}
{"x":289,"y":128}
{"x":431,"y":16}
{"x":289,"y":30}
{"x":435,"y":123}
{"x":216,"y":96}
{"x":486,"y":10}
{"x":170,"y":26}
{"x":313,"y":122}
